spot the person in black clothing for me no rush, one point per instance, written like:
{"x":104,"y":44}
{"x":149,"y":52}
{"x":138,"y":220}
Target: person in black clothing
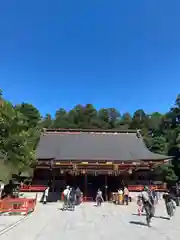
{"x":177,"y":194}
{"x":99,"y":197}
{"x":170,"y":204}
{"x":72,"y":197}
{"x":8,"y":190}
{"x":78,"y":195}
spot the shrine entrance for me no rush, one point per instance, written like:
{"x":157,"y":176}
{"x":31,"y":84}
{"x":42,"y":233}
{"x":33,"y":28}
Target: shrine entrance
{"x":89,"y":184}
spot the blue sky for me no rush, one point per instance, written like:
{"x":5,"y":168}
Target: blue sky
{"x":122,"y":54}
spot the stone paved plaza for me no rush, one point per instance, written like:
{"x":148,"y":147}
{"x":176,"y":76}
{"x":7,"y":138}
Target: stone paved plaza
{"x":89,"y":222}
{"x":7,"y":222}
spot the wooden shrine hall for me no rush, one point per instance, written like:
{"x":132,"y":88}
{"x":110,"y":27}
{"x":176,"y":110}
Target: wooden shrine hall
{"x":93,"y":159}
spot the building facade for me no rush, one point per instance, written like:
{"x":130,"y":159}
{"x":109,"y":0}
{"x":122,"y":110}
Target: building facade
{"x":92,"y":159}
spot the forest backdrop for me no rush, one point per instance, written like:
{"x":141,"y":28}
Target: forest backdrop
{"x":21,"y":126}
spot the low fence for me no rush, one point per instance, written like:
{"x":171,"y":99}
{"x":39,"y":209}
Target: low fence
{"x":88,"y":199}
{"x":139,"y":188}
{"x":17,"y":205}
{"x":36,"y":188}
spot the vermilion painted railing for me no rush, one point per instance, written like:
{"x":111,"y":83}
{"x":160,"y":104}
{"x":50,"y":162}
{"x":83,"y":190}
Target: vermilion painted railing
{"x":133,"y":188}
{"x":17,"y":205}
{"x":36,"y":188}
{"x":136,"y":188}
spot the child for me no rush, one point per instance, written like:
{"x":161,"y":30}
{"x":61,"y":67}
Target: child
{"x":140,"y":206}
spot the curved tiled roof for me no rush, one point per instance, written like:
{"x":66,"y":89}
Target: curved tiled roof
{"x":122,"y":146}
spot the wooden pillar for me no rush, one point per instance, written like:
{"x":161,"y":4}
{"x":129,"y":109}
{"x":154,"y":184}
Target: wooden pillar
{"x":106,"y":188}
{"x":53,"y":180}
{"x":50,"y":178}
{"x":65,"y":178}
{"x":85,"y":186}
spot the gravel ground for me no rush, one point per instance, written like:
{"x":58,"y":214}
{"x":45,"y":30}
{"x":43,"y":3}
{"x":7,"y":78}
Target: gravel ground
{"x":90,"y":222}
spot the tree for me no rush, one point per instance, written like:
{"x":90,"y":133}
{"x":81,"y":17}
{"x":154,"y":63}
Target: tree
{"x":76,"y":116}
{"x":47,"y":121}
{"x":126,"y":120}
{"x":103,"y":116}
{"x":154,"y":122}
{"x":114,"y":117}
{"x":158,"y":145}
{"x":178,"y":140}
{"x":31,"y":114}
{"x":139,"y":120}
{"x":172,"y":131}
{"x":87,"y":116}
{"x":1,"y":93}
{"x":166,"y":172}
{"x":17,"y":138}
{"x":61,"y":119}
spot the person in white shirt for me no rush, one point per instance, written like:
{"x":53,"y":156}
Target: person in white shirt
{"x":1,"y":188}
{"x":66,"y":194}
{"x":120,"y":191}
{"x":66,"y":191}
{"x":46,"y":194}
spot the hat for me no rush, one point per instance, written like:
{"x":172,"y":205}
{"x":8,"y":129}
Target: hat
{"x":146,"y":188}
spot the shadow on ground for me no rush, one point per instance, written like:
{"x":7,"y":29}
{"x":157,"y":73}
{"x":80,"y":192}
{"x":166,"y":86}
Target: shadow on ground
{"x":138,"y":223}
{"x":66,"y":210}
{"x":161,"y":217}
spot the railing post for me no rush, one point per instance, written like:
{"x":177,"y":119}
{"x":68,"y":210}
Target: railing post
{"x":27,"y":206}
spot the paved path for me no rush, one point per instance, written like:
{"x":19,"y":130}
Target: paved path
{"x":89,"y":222}
{"x":8,"y":221}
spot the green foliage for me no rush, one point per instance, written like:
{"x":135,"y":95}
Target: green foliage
{"x":6,"y":171}
{"x":20,"y":128}
{"x":30,"y":113}
{"x":19,"y":133}
{"x":166,"y":172}
{"x":158,"y":144}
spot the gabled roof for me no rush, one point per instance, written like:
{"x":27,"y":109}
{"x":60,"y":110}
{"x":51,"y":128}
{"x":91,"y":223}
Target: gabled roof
{"x":95,"y":145}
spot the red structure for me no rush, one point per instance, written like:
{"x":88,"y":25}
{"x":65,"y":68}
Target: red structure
{"x":17,"y":205}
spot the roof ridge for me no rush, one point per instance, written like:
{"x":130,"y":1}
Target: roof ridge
{"x":88,"y":133}
{"x":60,"y":130}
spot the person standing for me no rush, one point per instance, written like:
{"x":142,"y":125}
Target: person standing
{"x":99,"y":197}
{"x":46,"y":194}
{"x":78,"y":196}
{"x":177,"y":194}
{"x":66,"y":194}
{"x":147,"y":204}
{"x":120,"y":196}
{"x":1,"y":188}
{"x":126,"y":195}
{"x":72,"y":198}
{"x":170,"y":204}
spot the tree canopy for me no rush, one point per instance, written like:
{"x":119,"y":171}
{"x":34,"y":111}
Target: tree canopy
{"x":19,"y":133}
{"x":20,"y":128}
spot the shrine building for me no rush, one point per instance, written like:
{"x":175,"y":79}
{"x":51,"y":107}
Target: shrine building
{"x":92,"y":159}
